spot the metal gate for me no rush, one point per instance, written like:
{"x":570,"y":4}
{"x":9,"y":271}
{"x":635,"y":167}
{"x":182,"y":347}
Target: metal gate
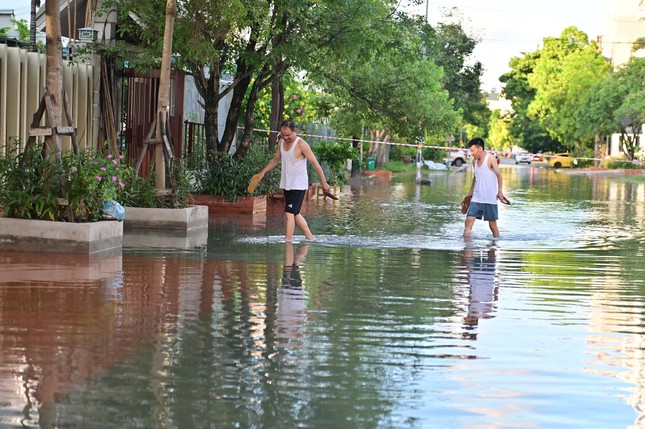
{"x":140,"y":94}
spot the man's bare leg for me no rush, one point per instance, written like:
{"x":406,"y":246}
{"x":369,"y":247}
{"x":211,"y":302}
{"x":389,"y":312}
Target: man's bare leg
{"x":493,"y":227}
{"x":302,"y":225}
{"x":468,"y":226}
{"x":290,"y":225}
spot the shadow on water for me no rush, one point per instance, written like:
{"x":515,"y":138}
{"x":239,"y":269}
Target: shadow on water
{"x":389,"y":319}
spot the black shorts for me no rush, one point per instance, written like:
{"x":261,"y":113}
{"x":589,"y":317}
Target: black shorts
{"x":293,"y":200}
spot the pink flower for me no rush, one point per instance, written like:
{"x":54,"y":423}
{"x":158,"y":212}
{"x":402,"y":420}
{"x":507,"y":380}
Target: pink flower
{"x":122,"y":185}
{"x":99,"y":178}
{"x":120,"y":156}
{"x":109,"y":155}
{"x":295,"y":97}
{"x":103,"y":169}
{"x":115,"y":161}
{"x":114,"y":178}
{"x":87,"y":149}
{"x":299,"y":110}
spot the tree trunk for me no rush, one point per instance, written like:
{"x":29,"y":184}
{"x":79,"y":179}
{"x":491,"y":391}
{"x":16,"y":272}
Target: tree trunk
{"x":164,"y":92}
{"x":234,"y":112}
{"x":249,"y":119}
{"x":211,"y":115}
{"x":378,"y":151}
{"x":277,"y":108}
{"x":54,"y":64}
{"x":32,"y":25}
{"x":598,"y":150}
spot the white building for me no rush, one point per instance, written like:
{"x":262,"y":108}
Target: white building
{"x":624,"y":23}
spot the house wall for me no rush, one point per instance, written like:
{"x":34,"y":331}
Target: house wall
{"x":193,"y":110}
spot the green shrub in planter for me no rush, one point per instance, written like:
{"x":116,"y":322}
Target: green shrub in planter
{"x":229,"y":177}
{"x":35,"y":190}
{"x":141,"y":191}
{"x":334,"y":154}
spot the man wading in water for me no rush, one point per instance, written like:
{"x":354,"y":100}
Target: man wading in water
{"x":485,"y":190}
{"x":293,"y":152}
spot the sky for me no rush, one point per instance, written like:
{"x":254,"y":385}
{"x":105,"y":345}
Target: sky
{"x":505,"y":28}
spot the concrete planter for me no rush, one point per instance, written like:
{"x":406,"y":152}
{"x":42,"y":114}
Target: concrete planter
{"x":240,"y":205}
{"x":168,"y":240}
{"x":65,"y":237}
{"x":186,"y":219}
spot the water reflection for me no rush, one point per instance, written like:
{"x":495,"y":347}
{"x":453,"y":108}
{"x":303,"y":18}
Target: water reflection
{"x":372,"y":326}
{"x":291,"y":295}
{"x":481,"y":266}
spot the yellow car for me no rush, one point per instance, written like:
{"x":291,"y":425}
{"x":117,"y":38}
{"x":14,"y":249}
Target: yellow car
{"x":560,"y":160}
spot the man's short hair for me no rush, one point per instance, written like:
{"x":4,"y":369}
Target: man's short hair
{"x":476,"y":141}
{"x":289,"y":124}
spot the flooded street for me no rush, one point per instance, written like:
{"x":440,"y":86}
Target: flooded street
{"x":389,"y":320}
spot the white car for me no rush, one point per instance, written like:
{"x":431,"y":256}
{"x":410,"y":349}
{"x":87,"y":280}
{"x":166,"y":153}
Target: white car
{"x":456,"y":157}
{"x":523,"y":157}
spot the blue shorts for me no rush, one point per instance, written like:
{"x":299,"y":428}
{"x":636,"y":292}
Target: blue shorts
{"x":483,"y":211}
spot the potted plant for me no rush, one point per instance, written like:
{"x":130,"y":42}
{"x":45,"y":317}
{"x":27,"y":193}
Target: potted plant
{"x":222,"y":183}
{"x":57,"y":205}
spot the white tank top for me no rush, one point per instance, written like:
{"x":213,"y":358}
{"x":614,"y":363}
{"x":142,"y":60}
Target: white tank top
{"x":294,"y":170}
{"x":485,"y":184}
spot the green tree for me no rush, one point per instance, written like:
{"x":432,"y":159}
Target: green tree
{"x":389,"y":87}
{"x":525,"y":131}
{"x":499,"y":136}
{"x":22,"y":28}
{"x":616,"y":104}
{"x":566,"y":69}
{"x":451,"y":48}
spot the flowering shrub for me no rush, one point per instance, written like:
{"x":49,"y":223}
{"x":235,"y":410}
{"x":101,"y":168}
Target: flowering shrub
{"x":36,"y":186}
{"x":76,"y":189}
{"x":93,"y":178}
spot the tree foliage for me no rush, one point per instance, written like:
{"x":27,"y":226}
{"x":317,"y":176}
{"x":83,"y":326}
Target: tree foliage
{"x":616,"y":104}
{"x":546,"y":88}
{"x":567,"y":68}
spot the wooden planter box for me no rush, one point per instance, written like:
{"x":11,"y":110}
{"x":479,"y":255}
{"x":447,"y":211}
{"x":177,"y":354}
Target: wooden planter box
{"x":225,"y":205}
{"x":26,"y":235}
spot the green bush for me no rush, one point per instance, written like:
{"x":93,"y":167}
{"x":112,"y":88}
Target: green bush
{"x":334,"y":154}
{"x":618,"y":163}
{"x":398,"y":167}
{"x":37,"y":186}
{"x":583,"y":163}
{"x":229,"y":177}
{"x":29,"y":192}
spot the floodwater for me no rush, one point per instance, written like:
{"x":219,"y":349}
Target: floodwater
{"x":389,"y":320}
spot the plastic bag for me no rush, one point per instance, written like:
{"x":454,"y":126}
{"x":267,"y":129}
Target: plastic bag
{"x":112,"y":210}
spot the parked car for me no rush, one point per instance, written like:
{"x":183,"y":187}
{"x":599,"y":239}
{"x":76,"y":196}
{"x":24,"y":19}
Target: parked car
{"x":457,"y":157}
{"x":523,"y":157}
{"x":560,"y":160}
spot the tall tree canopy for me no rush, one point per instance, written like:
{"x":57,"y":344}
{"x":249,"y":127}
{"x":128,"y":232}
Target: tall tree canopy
{"x":546,"y":88}
{"x":616,"y":104}
{"x":387,"y":71}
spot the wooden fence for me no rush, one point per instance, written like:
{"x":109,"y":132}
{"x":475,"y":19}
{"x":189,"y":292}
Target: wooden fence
{"x":22,"y":81}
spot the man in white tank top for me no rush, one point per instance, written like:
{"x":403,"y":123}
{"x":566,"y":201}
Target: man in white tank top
{"x":293,"y":153}
{"x":485,"y":190}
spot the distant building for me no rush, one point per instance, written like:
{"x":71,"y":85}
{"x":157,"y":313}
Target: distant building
{"x":624,"y":23}
{"x":495,"y":101}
